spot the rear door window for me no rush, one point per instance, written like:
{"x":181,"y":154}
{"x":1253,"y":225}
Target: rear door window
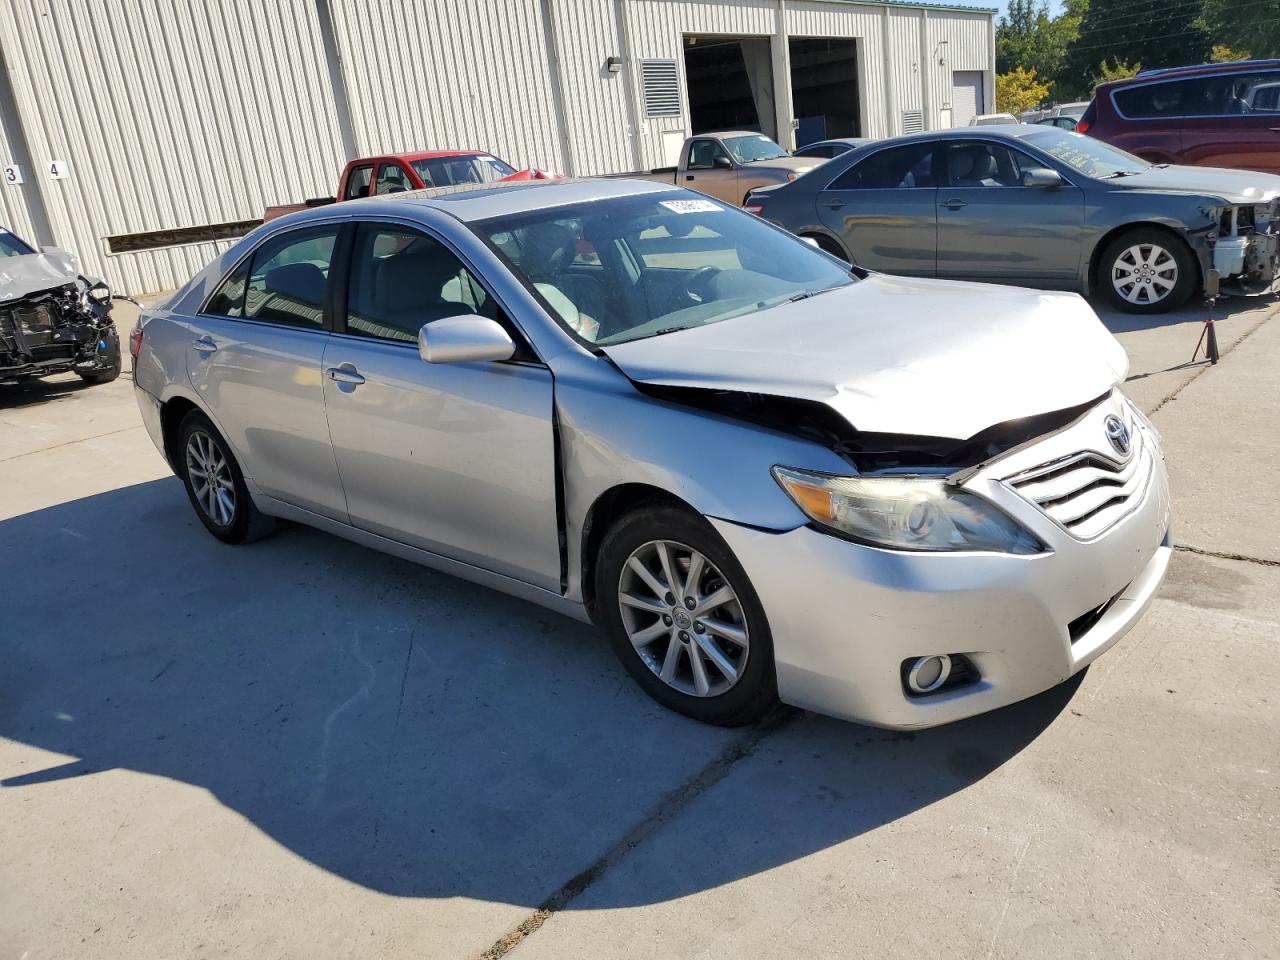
{"x":1221,"y":95}
{"x":358,"y":182}
{"x":897,"y":168}
{"x":289,"y":278}
{"x":391,"y":179}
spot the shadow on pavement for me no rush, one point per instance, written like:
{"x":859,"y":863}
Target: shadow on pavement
{"x":400,"y":728}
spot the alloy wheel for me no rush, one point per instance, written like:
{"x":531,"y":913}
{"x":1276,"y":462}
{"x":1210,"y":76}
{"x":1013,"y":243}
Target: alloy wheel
{"x":683,"y":618}
{"x":209,"y":472}
{"x":1144,"y":273}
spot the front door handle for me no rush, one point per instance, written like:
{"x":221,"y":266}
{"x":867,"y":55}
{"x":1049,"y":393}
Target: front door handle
{"x":955,"y":204}
{"x":688,"y":176}
{"x":204,"y":345}
{"x":345,"y":374}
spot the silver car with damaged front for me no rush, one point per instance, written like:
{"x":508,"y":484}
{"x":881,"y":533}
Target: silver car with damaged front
{"x":898,"y":501}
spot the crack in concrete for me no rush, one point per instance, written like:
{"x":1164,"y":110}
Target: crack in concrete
{"x":1222,"y":555}
{"x":667,"y":809}
{"x":1207,"y":365}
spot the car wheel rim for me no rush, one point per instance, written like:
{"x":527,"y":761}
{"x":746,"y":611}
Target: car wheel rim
{"x":1145,"y":273}
{"x":683,"y":618}
{"x":209,"y":472}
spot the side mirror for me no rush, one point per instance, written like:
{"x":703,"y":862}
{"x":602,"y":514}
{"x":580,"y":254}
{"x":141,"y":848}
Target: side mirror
{"x":1041,"y":177}
{"x":722,"y":163}
{"x":465,"y":339}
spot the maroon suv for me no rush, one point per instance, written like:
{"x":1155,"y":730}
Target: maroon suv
{"x":1214,"y":115}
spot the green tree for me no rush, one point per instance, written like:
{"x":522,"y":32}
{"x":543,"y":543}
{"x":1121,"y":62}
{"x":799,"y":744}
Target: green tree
{"x":1115,"y":70}
{"x":1028,"y":37}
{"x":1019,"y":90}
{"x":1155,"y":33}
{"x":1252,"y":25}
{"x":1224,"y":54}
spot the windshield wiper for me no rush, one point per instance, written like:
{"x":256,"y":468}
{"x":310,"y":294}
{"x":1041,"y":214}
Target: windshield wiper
{"x":806,"y":294}
{"x":1120,"y":173}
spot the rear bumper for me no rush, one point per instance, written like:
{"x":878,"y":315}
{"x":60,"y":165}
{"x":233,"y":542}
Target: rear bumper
{"x":845,"y":617}
{"x":149,"y":407}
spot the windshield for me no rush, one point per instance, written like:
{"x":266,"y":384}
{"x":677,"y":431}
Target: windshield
{"x":11,"y":246}
{"x":752,"y":148}
{"x":626,"y":268}
{"x":1091,"y":157}
{"x":447,"y":171}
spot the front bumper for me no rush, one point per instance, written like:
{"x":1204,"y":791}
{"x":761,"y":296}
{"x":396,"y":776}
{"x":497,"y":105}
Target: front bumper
{"x":845,"y":617}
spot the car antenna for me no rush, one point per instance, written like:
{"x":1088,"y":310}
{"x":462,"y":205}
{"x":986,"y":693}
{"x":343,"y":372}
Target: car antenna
{"x":1208,"y":333}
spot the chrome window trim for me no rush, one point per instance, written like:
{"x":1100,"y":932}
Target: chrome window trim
{"x":1190,"y":116}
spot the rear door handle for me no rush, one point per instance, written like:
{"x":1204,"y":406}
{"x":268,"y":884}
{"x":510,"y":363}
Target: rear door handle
{"x":955,"y":204}
{"x":345,"y":374}
{"x":833,"y":203}
{"x":204,"y":345}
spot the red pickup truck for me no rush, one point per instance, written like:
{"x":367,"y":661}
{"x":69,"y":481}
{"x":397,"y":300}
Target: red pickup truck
{"x":398,"y":172}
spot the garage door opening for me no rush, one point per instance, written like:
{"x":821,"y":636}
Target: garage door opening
{"x":824,"y":88}
{"x":730,"y":82}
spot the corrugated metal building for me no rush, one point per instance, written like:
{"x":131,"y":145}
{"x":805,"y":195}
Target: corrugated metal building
{"x":170,"y":125}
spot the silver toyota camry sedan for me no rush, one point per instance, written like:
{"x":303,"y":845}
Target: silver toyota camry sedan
{"x":764,"y":477}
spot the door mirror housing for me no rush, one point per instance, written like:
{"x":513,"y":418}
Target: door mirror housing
{"x":465,"y":339}
{"x":1041,"y":177}
{"x":722,"y":163}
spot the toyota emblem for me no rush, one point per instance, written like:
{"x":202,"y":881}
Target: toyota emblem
{"x":1117,"y":433}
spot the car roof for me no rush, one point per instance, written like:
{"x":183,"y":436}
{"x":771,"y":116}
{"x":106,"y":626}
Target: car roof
{"x":425,"y":155}
{"x":850,"y":141}
{"x":1015,"y":130}
{"x":1196,"y":70}
{"x":470,"y":202}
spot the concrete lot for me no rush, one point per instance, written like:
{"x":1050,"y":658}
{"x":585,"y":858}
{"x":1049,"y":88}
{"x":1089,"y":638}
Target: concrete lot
{"x":305,"y":749}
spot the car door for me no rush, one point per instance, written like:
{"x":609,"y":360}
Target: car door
{"x":884,"y":210}
{"x":255,"y":359}
{"x":456,"y":459}
{"x":1233,"y":121}
{"x":991,"y":227}
{"x":711,"y":170}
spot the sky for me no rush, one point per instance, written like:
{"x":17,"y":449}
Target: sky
{"x":1055,"y":6}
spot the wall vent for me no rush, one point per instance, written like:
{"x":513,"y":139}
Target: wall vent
{"x":912,"y":121}
{"x":660,"y":82}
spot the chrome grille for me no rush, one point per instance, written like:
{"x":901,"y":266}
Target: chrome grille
{"x":1089,"y":492}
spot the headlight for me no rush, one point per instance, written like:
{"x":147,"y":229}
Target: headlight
{"x":905,"y":513}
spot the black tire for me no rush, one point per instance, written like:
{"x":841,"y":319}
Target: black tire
{"x":245,"y":523}
{"x":827,"y":245}
{"x":112,"y":370}
{"x":1188,"y":273}
{"x":754,"y":693}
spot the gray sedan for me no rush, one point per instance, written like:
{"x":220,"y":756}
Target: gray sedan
{"x":641,"y":406}
{"x":1037,"y":206}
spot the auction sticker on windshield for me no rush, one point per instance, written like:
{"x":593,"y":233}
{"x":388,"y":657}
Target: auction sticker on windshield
{"x":691,"y":206}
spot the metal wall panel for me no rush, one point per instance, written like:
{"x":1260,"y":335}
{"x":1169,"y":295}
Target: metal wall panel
{"x":444,"y":75}
{"x":968,"y":37}
{"x":170,"y":115}
{"x":600,"y":119}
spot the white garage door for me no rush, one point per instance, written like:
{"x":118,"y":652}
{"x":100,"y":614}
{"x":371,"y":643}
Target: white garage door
{"x":966,"y":97}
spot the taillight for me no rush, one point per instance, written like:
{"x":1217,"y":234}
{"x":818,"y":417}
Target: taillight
{"x":755,"y":208}
{"x":135,"y":342}
{"x":1082,"y":126}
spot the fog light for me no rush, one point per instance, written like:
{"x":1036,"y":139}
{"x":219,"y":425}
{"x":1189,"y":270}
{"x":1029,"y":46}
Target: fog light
{"x":927,"y":674}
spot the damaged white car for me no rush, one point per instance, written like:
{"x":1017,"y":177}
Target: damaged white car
{"x":53,"y":319}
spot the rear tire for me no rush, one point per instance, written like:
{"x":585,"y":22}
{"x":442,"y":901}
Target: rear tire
{"x":719,"y":669}
{"x":1147,"y":271}
{"x":215,"y":484}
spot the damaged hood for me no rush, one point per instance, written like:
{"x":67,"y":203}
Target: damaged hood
{"x":1232,"y":186}
{"x":36,"y":272}
{"x":928,"y":358}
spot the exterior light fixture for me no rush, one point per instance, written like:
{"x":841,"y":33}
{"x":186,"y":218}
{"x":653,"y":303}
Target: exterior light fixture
{"x":614,"y":64}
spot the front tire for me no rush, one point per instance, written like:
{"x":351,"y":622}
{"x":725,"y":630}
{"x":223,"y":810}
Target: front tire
{"x":215,"y":485}
{"x":684,"y":619}
{"x":1147,"y":271}
{"x":111,"y":369}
